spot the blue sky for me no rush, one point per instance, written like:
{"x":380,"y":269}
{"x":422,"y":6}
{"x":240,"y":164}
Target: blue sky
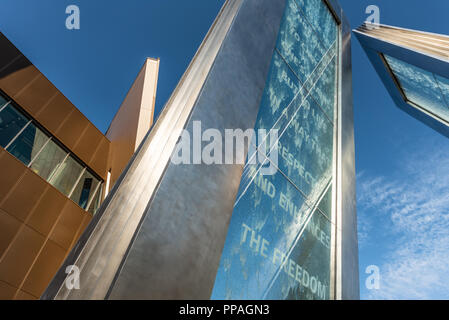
{"x":401,"y":164}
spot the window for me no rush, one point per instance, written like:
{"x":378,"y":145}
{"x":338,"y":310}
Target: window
{"x":85,"y":189}
{"x":28,"y":144}
{"x":48,"y":160}
{"x":11,"y":122}
{"x":66,"y":175}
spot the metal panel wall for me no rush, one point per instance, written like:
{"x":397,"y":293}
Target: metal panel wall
{"x":38,"y":227}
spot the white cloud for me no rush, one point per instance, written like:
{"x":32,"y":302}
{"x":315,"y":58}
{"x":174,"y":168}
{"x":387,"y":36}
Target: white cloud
{"x":414,"y":213}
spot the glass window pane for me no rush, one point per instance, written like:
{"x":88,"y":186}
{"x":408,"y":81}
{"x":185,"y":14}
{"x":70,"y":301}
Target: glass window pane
{"x":281,"y":88}
{"x":66,"y":176}
{"x":443,"y":83}
{"x":48,"y":160}
{"x":305,"y":150}
{"x":11,"y":122}
{"x":27,"y":145}
{"x":319,"y":16}
{"x":298,"y":43}
{"x":85,"y":189}
{"x":96,"y":201}
{"x":324,"y":91}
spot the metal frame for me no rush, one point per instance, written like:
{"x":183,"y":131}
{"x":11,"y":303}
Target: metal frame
{"x":375,"y":48}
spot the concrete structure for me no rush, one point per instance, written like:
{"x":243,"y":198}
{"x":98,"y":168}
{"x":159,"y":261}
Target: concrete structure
{"x":413,"y":66}
{"x":170,"y":231}
{"x":54,"y":168}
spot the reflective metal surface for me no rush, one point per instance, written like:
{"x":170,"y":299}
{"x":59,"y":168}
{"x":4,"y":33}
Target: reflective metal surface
{"x":347,"y":262}
{"x":161,"y":231}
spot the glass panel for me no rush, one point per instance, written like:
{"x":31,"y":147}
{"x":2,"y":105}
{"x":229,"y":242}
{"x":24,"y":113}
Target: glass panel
{"x":306,"y":150}
{"x":298,"y":43}
{"x":11,"y":122}
{"x":305,"y":274}
{"x":84,"y":190}
{"x":265,"y":223}
{"x":27,"y":145}
{"x":66,"y":175}
{"x":324,"y":91}
{"x":48,"y":160}
{"x":96,"y":201}
{"x":281,"y":87}
{"x":282,"y":97}
{"x":319,"y":16}
{"x":421,"y":87}
{"x":443,"y":83}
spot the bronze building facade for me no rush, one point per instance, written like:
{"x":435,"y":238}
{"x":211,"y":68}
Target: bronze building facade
{"x":56,"y":167}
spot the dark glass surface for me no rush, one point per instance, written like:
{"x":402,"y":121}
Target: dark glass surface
{"x":11,"y":122}
{"x":28,"y":144}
